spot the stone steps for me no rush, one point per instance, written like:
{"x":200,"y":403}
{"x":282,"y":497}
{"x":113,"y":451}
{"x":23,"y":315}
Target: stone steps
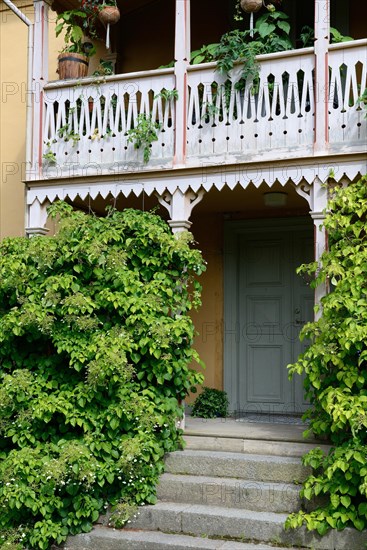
{"x":265,"y":528}
{"x":251,"y":446}
{"x":282,"y":469}
{"x":224,"y":493}
{"x":229,"y":492}
{"x":102,"y":538}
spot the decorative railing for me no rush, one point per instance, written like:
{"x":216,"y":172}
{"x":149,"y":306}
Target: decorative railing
{"x":274,"y":114}
{"x":86,"y":124}
{"x":347,"y":81}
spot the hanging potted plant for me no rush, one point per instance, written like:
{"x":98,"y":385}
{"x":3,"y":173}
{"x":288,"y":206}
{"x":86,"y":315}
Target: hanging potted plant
{"x":105,"y":11}
{"x":109,"y":14}
{"x":251,"y":6}
{"x":73,"y":60}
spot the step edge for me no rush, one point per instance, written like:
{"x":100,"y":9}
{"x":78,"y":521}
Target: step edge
{"x":184,"y":507}
{"x":146,"y":535}
{"x":192,"y":478}
{"x":237,"y":456}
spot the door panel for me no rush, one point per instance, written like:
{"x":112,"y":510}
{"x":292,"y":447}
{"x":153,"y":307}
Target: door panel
{"x":264,"y":384}
{"x":264,"y":263}
{"x":265,"y":314}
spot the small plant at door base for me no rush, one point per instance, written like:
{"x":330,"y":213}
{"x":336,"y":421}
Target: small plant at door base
{"x":211,"y":403}
{"x":95,"y":354}
{"x":335,"y":368}
{"x":144,"y":134}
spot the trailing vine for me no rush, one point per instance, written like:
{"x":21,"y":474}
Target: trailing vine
{"x":144,"y":134}
{"x":95,"y":348}
{"x":335,"y":368}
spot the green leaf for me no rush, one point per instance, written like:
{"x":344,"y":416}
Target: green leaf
{"x":135,"y":357}
{"x":285,"y":26}
{"x":359,"y":524}
{"x":345,"y":500}
{"x":265,"y":29}
{"x":86,"y":526}
{"x":110,"y":478}
{"x":114,"y":423}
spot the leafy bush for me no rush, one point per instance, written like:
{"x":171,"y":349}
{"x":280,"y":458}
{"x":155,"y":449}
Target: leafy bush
{"x":95,"y":347}
{"x":211,"y":403}
{"x":335,"y":368}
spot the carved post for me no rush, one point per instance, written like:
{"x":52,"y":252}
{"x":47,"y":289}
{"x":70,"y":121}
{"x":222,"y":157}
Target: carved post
{"x":182,"y":60}
{"x":322,"y":30}
{"x":316,"y":196}
{"x":39,"y":79}
{"x":318,"y":216}
{"x":180,"y":206}
{"x":36,"y":218}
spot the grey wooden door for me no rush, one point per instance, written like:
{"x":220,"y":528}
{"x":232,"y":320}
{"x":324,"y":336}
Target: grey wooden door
{"x":272,"y":304}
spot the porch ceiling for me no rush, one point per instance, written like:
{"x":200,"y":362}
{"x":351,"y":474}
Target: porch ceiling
{"x":250,"y":201}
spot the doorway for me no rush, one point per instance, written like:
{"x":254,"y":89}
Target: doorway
{"x":266,"y":305}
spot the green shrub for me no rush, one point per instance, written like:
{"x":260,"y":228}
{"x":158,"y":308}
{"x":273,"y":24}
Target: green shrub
{"x":211,"y":403}
{"x":95,"y":347}
{"x":335,"y":365}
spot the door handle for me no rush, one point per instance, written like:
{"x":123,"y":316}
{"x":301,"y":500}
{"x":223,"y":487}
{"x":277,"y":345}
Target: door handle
{"x":297,"y":320}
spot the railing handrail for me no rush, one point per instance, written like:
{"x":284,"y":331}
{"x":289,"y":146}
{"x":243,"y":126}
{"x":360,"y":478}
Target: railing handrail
{"x":263,"y":57}
{"x":349,"y":44}
{"x":100,"y":80}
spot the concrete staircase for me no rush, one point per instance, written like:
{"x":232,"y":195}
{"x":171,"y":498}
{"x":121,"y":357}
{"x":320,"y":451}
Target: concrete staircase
{"x":223,"y":493}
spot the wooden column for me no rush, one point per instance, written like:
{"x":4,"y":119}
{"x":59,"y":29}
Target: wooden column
{"x":182,"y":60}
{"x":39,"y":79}
{"x":179,"y":206}
{"x":36,"y":218}
{"x":319,"y":205}
{"x":322,"y":30}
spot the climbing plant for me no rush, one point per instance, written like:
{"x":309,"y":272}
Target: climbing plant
{"x":335,"y":366}
{"x":95,"y":348}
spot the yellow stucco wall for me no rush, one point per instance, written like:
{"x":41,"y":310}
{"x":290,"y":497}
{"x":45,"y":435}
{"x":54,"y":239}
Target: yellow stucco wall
{"x":13,"y":58}
{"x":13,"y":78}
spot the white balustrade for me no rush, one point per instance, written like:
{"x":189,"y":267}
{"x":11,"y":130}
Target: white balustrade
{"x":275,"y":117}
{"x":86,"y":124}
{"x":348,"y":80}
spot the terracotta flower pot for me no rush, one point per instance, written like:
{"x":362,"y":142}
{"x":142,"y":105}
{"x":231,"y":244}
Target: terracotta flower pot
{"x":251,"y":6}
{"x":109,"y":15}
